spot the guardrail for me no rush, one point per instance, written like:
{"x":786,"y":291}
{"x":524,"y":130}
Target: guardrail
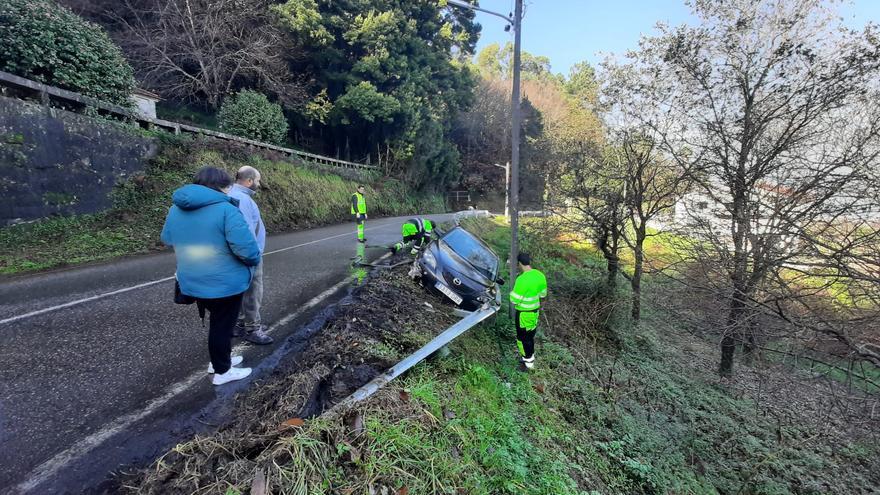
{"x":413,"y":359}
{"x":48,"y":93}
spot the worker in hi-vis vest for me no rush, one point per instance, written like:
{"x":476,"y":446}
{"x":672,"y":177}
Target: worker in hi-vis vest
{"x":527,"y":297}
{"x":359,"y":211}
{"x":415,"y":231}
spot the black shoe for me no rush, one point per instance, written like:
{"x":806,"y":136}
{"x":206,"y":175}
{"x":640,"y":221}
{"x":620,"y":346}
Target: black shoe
{"x":362,"y":240}
{"x":238,"y":330}
{"x":258,"y":337}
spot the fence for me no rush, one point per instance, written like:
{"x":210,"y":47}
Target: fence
{"x":47,"y":94}
{"x":460,"y":195}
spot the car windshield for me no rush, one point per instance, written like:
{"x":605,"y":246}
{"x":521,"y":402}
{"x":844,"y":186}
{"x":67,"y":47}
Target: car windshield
{"x":471,"y":250}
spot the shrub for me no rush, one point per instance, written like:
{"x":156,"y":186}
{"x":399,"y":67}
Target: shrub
{"x":250,"y":114}
{"x":43,"y":41}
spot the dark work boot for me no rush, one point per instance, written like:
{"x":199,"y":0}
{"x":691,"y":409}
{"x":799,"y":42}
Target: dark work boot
{"x":258,"y":336}
{"x":238,"y":329}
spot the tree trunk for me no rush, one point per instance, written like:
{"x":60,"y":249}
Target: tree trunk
{"x":749,"y":344}
{"x":638,"y":269}
{"x":737,"y":279}
{"x":613,"y":268}
{"x":607,"y":244}
{"x":734,"y":322}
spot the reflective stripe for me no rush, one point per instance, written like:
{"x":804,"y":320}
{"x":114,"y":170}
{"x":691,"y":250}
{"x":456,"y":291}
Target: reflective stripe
{"x":527,"y":307}
{"x":514,"y":295}
{"x":533,"y":298}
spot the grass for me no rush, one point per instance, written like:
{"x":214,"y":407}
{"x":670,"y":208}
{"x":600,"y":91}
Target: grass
{"x":294,"y":197}
{"x":610,"y":409}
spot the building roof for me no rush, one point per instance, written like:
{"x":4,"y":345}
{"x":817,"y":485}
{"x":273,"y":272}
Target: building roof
{"x":146,"y":94}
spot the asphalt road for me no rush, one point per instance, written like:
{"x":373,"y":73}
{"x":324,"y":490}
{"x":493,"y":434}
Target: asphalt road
{"x":100,"y":369}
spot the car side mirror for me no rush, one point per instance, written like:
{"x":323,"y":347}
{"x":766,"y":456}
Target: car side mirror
{"x":499,"y":281}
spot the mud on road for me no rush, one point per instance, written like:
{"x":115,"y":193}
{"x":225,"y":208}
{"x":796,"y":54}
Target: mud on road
{"x":383,"y":320}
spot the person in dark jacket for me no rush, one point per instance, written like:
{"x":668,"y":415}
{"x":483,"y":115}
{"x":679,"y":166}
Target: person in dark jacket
{"x":216,"y":253}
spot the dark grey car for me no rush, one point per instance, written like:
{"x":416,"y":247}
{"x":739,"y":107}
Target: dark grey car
{"x":460,"y":267}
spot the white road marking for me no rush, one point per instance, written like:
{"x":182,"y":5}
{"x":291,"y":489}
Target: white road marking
{"x":148,"y":284}
{"x":84,"y":300}
{"x":49,"y":468}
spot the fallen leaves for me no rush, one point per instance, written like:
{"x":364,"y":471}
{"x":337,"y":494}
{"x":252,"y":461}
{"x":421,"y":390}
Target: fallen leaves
{"x":355,"y":422}
{"x":293,"y":422}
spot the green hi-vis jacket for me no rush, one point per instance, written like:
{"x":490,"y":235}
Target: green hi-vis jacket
{"x":358,"y":204}
{"x":414,"y":226}
{"x":526,"y":296}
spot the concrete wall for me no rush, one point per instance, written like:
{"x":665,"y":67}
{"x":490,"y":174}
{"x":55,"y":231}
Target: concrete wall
{"x":55,"y":162}
{"x":146,"y":107}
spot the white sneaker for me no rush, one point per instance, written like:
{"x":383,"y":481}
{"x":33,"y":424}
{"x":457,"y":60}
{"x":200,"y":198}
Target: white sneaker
{"x":236,"y":360}
{"x":231,"y":375}
{"x":530,"y":363}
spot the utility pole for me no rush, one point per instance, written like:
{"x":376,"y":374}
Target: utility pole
{"x":514,"y":148}
{"x":513,"y":186}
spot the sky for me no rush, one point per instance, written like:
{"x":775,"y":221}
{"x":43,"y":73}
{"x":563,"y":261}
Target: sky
{"x":571,"y":31}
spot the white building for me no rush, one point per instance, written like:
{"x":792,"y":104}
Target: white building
{"x":703,"y":215}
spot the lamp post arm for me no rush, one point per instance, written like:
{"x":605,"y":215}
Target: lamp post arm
{"x":466,"y":5}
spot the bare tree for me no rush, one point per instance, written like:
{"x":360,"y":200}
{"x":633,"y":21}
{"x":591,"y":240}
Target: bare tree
{"x":776,"y":120}
{"x":589,"y":195}
{"x":207,"y":49}
{"x":651,"y":184}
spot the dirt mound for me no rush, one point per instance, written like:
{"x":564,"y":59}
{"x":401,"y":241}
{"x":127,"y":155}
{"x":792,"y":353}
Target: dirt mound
{"x":383,"y":321}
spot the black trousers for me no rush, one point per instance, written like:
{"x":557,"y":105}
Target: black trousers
{"x":525,"y":338}
{"x":224,"y":313}
{"x":418,"y":239}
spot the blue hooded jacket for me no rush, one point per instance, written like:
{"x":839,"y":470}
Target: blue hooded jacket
{"x":212,"y":242}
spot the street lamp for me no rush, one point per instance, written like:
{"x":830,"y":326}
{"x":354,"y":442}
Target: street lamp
{"x":513,"y":186}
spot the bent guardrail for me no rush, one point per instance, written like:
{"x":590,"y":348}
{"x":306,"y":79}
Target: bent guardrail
{"x":431,"y":347}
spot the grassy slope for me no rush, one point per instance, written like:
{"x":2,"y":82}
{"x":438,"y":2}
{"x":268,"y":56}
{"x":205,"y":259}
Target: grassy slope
{"x":610,"y":409}
{"x":294,"y":197}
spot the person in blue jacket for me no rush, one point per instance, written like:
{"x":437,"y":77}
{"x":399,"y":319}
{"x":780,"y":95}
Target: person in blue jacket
{"x":216,"y":253}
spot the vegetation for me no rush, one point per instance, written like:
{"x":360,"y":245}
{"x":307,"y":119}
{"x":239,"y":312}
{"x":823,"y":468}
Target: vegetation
{"x":294,"y":197}
{"x":382,"y":79}
{"x":718,"y":132}
{"x":43,"y":41}
{"x":610,"y":408}
{"x":559,"y":119}
{"x":250,"y":114}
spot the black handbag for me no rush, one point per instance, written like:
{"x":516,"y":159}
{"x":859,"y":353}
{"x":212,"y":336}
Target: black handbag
{"x":180,"y":297}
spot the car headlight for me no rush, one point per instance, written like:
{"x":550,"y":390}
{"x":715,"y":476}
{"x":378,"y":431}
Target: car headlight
{"x":430,"y":260}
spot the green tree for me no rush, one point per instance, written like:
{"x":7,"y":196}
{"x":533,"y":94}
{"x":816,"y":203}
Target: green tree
{"x":582,"y":83}
{"x":391,"y":81}
{"x":490,"y":63}
{"x":250,"y":114}
{"x":43,"y":41}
